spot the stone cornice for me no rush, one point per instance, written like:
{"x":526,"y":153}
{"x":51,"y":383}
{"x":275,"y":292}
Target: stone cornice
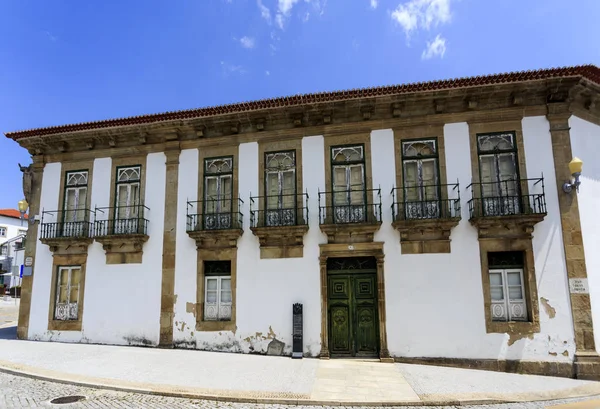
{"x":476,"y":104}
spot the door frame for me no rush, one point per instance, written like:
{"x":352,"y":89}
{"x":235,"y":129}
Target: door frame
{"x":373,"y":249}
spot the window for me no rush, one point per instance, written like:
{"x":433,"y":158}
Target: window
{"x":217,"y":288}
{"x":218,"y":193}
{"x":75,"y":202}
{"x":3,"y":250}
{"x":499,"y":173}
{"x":420,"y":179}
{"x":127,"y":199}
{"x":67,"y":293}
{"x":280,"y":185}
{"x":22,"y":232}
{"x":507,"y":290}
{"x":2,"y":231}
{"x":348,"y":179}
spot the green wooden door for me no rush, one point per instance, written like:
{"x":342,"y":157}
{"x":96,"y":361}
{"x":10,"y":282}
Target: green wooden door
{"x":353,"y":322}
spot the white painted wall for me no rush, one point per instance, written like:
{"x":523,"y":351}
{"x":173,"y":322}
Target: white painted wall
{"x":13,"y":226}
{"x":266,"y":289}
{"x":122,"y":302}
{"x":585,"y":143}
{"x":435,"y":305}
{"x":42,"y":271}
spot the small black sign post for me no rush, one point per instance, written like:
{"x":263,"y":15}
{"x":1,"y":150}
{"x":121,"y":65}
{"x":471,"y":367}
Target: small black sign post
{"x":297,"y":331}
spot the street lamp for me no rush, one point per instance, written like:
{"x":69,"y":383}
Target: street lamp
{"x":23,"y":205}
{"x":575,"y":167}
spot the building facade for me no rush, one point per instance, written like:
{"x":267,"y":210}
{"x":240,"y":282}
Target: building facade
{"x":13,"y":232}
{"x":418,"y":223}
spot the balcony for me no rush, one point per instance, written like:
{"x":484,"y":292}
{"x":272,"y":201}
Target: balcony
{"x":122,"y":231}
{"x":423,"y":220}
{"x":67,"y":232}
{"x":350,"y":216}
{"x":280,"y":227}
{"x":510,"y":208}
{"x":215,"y":223}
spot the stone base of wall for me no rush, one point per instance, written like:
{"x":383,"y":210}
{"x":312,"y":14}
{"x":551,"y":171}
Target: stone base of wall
{"x":560,"y":369}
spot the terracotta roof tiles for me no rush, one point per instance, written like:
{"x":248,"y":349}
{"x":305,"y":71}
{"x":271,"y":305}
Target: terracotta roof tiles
{"x":590,"y":72}
{"x":11,"y":213}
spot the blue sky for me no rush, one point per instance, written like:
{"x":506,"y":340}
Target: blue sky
{"x":72,"y":61}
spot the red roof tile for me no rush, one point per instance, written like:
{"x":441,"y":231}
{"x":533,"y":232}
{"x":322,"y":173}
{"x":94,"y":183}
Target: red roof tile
{"x":11,"y":213}
{"x":590,"y":72}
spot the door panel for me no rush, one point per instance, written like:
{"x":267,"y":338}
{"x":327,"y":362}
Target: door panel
{"x":353,"y":320}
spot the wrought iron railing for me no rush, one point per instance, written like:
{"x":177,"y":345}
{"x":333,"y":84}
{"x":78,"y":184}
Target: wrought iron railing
{"x":66,"y":223}
{"x":281,"y":210}
{"x":214,"y":214}
{"x":120,"y":220}
{"x":507,"y":198}
{"x":425,"y":202}
{"x":350,"y":206}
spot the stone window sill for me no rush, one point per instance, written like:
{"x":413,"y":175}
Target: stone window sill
{"x":58,"y":325}
{"x":215,"y":326}
{"x":513,"y":327}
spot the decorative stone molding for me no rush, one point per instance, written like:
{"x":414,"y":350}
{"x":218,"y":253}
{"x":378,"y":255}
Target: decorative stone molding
{"x":516,"y":226}
{"x":281,"y":241}
{"x":424,"y":236}
{"x":350,"y":233}
{"x":123,"y":248}
{"x":66,"y":246}
{"x":216,"y":239}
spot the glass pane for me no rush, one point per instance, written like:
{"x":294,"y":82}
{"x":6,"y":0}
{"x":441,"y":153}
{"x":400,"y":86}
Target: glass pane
{"x":62,"y":294}
{"x":495,"y":279}
{"x":497,"y":293}
{"x":210,"y":194}
{"x":211,"y":284}
{"x":508,"y":174}
{"x":226,"y":284}
{"x":226,"y":297}
{"x":211,"y":297}
{"x":225,"y":194}
{"x":339,"y":178}
{"x":515,"y":293}
{"x":488,"y":175}
{"x":429,"y":167}
{"x":289,"y":189}
{"x":122,"y":200}
{"x":75,"y":276}
{"x":514,"y":278}
{"x":74,"y":295}
{"x":411,"y":181}
{"x":273,"y":190}
{"x":64,"y":276}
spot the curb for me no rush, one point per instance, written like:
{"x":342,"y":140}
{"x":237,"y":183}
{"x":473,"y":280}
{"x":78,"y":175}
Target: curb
{"x":246,"y":397}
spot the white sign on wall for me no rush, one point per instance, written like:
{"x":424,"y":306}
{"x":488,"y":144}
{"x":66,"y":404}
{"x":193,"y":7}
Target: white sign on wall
{"x":579,"y":286}
{"x":28,"y":261}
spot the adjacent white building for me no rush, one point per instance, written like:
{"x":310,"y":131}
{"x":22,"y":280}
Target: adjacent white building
{"x":419,"y":223}
{"x":13,"y":232}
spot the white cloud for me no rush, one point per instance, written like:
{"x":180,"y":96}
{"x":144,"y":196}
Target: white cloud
{"x":267,"y":73}
{"x":284,"y":10}
{"x":421,"y":14}
{"x":435,"y":48}
{"x":264,"y":11}
{"x":228,"y":68}
{"x":374,"y":4}
{"x":306,"y":17}
{"x":247,"y":42}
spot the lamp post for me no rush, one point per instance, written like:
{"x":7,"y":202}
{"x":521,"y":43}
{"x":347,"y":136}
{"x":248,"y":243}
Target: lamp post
{"x":575,"y":167}
{"x":23,"y":206}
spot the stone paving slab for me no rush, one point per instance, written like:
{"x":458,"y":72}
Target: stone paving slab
{"x":276,"y":380}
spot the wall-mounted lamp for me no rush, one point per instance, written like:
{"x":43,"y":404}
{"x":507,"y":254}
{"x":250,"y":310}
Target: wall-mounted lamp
{"x":575,"y":167}
{"x":23,"y":206}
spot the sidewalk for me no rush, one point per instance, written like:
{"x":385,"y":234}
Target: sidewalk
{"x":262,"y":379}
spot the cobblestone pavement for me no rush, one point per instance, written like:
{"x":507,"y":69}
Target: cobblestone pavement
{"x":22,"y":392}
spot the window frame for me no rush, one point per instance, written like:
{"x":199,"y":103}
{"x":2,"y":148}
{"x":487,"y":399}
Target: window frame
{"x":495,"y":153}
{"x":506,"y":299}
{"x":69,"y":289}
{"x":118,"y":183}
{"x":78,"y":187}
{"x":348,"y":164}
{"x":280,"y":178}
{"x":74,"y":260}
{"x":5,"y":229}
{"x":218,"y":175}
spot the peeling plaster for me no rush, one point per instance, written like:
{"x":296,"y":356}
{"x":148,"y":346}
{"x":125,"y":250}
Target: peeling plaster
{"x":550,"y":310}
{"x":190,"y":307}
{"x":514,"y":337}
{"x":565,"y":353}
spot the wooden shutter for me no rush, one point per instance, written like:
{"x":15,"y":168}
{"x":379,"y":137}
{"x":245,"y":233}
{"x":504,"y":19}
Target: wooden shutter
{"x":272,"y":190}
{"x":289,"y":189}
{"x":488,"y":175}
{"x":225,"y":298}
{"x":508,"y":174}
{"x":411,"y":181}
{"x":210,"y":194}
{"x":340,"y":185}
{"x":225,"y":194}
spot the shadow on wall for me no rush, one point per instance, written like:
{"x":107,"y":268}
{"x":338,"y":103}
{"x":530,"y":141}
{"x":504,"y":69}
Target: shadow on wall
{"x":8,"y":333}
